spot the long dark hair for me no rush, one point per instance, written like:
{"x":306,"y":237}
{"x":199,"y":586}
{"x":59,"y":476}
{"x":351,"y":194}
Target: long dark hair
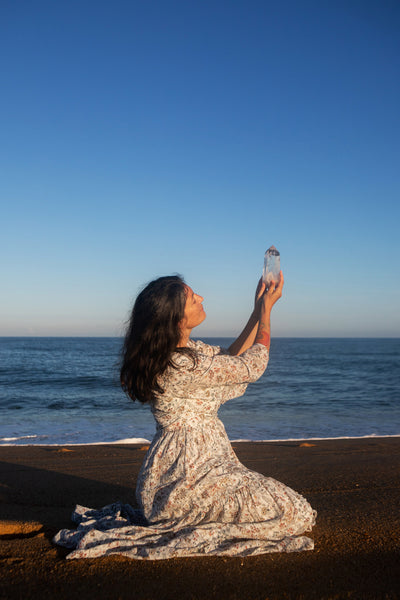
{"x":152,"y":337}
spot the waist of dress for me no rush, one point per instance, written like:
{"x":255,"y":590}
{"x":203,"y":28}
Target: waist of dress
{"x":188,"y":422}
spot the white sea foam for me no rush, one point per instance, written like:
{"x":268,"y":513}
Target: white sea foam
{"x":320,"y":439}
{"x":14,"y":439}
{"x":124,"y":441}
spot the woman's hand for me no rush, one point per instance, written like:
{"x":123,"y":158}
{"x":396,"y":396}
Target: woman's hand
{"x":273,"y":293}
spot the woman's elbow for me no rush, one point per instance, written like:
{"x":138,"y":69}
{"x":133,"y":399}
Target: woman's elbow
{"x":256,"y":371}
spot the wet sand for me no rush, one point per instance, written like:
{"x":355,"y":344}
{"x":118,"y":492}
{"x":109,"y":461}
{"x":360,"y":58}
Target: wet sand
{"x":353,"y":484}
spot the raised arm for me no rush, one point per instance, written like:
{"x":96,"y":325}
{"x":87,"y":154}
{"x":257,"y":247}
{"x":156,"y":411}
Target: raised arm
{"x":262,"y":308}
{"x":272,"y":295}
{"x":248,"y":335}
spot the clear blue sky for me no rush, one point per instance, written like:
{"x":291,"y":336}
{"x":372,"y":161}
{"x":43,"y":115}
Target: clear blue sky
{"x":140,"y":139}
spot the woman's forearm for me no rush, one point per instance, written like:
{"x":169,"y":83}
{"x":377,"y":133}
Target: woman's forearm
{"x":263,"y":335}
{"x":248,"y":335}
{"x":246,"y":338}
{"x":272,"y":294}
{"x":258,"y":328}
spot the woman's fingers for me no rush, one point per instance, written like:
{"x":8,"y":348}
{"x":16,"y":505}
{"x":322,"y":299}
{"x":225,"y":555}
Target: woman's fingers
{"x":278,"y":289}
{"x":260,"y":290}
{"x":274,"y":292}
{"x":281,"y":281}
{"x":273,"y":286}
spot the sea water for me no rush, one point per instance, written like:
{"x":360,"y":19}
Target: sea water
{"x":66,"y":391}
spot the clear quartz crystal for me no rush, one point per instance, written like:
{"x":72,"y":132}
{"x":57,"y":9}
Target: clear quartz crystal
{"x":272,"y":266}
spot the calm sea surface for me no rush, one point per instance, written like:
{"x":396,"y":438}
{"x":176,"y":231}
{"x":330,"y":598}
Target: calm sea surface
{"x":65,"y":390}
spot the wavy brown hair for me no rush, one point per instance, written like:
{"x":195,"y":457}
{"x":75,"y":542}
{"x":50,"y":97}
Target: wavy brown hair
{"x":152,"y":337}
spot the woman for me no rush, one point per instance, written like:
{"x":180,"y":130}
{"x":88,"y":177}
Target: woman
{"x":195,"y":497}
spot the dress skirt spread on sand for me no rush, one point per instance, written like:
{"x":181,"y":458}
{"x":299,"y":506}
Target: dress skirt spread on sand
{"x":195,"y":497}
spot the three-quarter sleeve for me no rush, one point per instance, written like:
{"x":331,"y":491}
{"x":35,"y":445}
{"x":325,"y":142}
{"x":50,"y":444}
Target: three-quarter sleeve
{"x":223,"y":369}
{"x":214,"y":377}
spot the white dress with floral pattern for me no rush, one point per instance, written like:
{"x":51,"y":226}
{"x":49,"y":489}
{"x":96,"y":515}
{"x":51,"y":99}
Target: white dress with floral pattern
{"x":195,"y":497}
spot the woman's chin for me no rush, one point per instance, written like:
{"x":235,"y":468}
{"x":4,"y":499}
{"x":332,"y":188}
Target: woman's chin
{"x":202,"y":318}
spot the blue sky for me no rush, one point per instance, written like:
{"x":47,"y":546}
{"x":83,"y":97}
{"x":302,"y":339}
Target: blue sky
{"x":140,"y":139}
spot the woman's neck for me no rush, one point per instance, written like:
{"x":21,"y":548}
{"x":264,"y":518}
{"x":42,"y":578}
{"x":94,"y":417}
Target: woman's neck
{"x":184,"y":339}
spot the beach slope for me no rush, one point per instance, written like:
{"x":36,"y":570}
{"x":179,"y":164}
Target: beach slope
{"x":353,"y":484}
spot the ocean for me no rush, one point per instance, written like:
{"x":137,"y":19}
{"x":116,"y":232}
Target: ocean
{"x":59,"y":391}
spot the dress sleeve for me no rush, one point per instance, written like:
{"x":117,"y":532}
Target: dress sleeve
{"x":206,"y":349}
{"x":224,"y":369}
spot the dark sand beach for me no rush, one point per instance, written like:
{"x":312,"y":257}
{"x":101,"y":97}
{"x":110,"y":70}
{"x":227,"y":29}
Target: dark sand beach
{"x":353,"y":484}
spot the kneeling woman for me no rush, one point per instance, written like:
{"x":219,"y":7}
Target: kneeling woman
{"x":195,"y":497}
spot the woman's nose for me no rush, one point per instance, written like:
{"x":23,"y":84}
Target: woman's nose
{"x":199,"y":298}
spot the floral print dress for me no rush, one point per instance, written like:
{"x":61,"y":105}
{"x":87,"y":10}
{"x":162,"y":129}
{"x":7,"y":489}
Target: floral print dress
{"x":195,"y":497}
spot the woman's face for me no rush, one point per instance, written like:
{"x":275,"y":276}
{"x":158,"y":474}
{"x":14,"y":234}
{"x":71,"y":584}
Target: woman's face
{"x":194,"y":312}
